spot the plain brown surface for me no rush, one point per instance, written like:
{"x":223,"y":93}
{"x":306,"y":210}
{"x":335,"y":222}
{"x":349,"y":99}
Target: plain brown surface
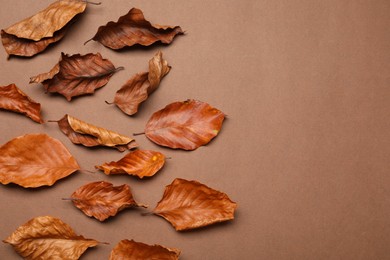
{"x":305,"y":149}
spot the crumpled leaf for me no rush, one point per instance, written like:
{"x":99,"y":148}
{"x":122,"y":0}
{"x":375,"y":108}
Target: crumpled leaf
{"x":77,"y":75}
{"x":102,"y":200}
{"x":140,"y":86}
{"x":132,"y":29}
{"x":47,"y":237}
{"x":131,"y":250}
{"x":80,"y":132}
{"x":190,"y":204}
{"x":35,"y":160}
{"x":140,"y":163}
{"x":14,"y":99}
{"x":184,"y":125}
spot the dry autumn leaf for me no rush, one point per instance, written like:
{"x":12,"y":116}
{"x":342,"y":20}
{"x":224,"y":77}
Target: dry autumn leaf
{"x":131,"y":250}
{"x":47,"y":237}
{"x":184,"y":125}
{"x":77,"y":75}
{"x":132,"y":29}
{"x":190,"y":204}
{"x":141,"y":163}
{"x":102,"y":200}
{"x":14,"y":99}
{"x":80,"y":132}
{"x":35,"y":160}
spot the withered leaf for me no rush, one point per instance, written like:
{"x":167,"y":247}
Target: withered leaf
{"x":35,"y":160}
{"x":131,"y":250}
{"x":185,"y":125}
{"x":102,"y":200}
{"x":190,"y":204}
{"x":140,"y":86}
{"x":14,"y":99}
{"x":132,"y":29}
{"x":77,"y":75}
{"x":80,"y":132}
{"x":140,"y":163}
{"x":47,"y":237}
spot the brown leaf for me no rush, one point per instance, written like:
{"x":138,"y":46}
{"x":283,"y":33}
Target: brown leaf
{"x":140,"y":163}
{"x":77,"y":75}
{"x":80,"y":132}
{"x":131,"y":250}
{"x":132,"y":29}
{"x":13,"y":99}
{"x":35,"y":160}
{"x":47,"y":237}
{"x":190,"y":204}
{"x":185,"y":125}
{"x":102,"y":200}
{"x":140,"y":86}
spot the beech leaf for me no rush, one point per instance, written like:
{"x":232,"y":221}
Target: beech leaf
{"x":140,"y":163}
{"x":35,"y":160}
{"x":80,"y":132}
{"x":102,"y":200}
{"x":47,"y":237}
{"x":184,"y":125}
{"x":14,"y":99}
{"x":131,"y":250}
{"x":190,"y":204}
{"x":132,"y":29}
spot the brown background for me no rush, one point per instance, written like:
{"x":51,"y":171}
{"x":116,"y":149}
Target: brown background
{"x":304,"y":151}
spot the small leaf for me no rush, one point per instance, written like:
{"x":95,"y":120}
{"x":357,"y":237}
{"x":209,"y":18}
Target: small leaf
{"x":190,"y":204}
{"x":184,"y":125}
{"x":47,"y":237}
{"x":131,"y":250}
{"x":35,"y":160}
{"x":102,"y":200}
{"x":13,"y":99}
{"x":140,"y":163}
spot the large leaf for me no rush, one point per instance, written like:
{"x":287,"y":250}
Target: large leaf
{"x":102,"y":200}
{"x":185,"y":125}
{"x":80,"y":132}
{"x":190,"y":204}
{"x":131,"y":250}
{"x":35,"y":160}
{"x":12,"y":98}
{"x":140,"y":163}
{"x":47,"y":237}
{"x":132,"y":29}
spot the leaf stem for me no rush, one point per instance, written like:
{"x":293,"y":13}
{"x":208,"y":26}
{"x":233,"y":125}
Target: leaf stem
{"x":88,"y":41}
{"x":135,"y":134}
{"x":109,"y":103}
{"x":93,"y":3}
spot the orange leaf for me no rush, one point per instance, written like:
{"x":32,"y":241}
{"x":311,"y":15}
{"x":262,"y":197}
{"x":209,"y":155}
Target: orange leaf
{"x":190,"y":204}
{"x":35,"y":160}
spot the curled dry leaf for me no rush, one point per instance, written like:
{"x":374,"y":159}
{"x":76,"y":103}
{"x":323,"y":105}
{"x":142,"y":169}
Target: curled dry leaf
{"x":131,"y":250}
{"x":190,"y":204}
{"x":132,"y":29}
{"x":14,"y":99}
{"x":47,"y":237}
{"x":185,"y":125}
{"x":80,"y":132}
{"x":140,"y":163}
{"x":35,"y":160}
{"x":77,"y":75}
{"x":102,"y":200}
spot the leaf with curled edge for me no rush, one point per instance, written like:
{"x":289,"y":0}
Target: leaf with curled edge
{"x":14,"y":99}
{"x":190,"y":204}
{"x":47,"y":237}
{"x":132,"y":29}
{"x":184,"y":125}
{"x":102,"y":200}
{"x":140,"y":163}
{"x":35,"y":160}
{"x":80,"y":132}
{"x":132,"y":250}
